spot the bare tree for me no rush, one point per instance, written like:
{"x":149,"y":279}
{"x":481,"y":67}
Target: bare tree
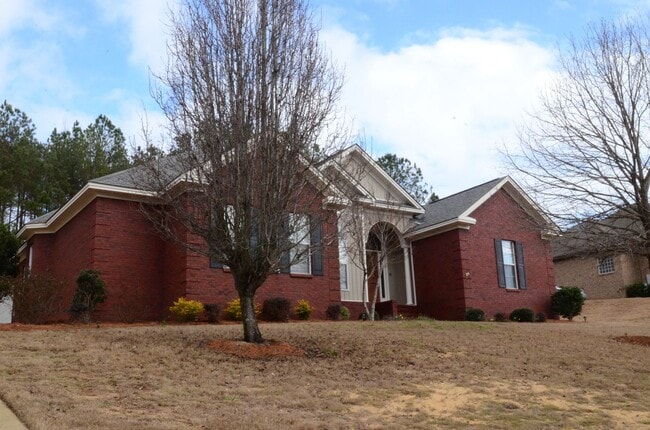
{"x":249,"y":95}
{"x":585,"y":154}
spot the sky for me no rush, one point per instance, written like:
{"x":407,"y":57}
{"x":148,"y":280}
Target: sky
{"x":444,"y":83}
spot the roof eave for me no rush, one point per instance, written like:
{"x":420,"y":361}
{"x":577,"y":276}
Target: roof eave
{"x":463,"y":223}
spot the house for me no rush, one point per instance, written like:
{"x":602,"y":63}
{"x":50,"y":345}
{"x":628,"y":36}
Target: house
{"x":482,"y":247}
{"x":589,"y":256}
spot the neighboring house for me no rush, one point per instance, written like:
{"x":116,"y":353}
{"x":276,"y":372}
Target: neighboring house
{"x":482,"y":248}
{"x":587,"y":259}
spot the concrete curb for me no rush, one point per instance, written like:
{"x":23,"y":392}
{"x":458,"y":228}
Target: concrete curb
{"x":8,"y":420}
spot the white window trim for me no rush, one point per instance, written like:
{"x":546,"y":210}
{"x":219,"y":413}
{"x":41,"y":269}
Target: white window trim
{"x":512,"y":251}
{"x":301,"y":238}
{"x":603,"y":265}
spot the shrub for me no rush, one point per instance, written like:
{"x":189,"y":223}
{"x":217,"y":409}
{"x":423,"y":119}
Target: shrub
{"x":366,"y":317}
{"x":212,"y":312}
{"x":567,"y":302}
{"x":276,"y":309}
{"x":474,"y":314}
{"x":522,"y":315}
{"x":233,"y":310}
{"x":637,"y":290}
{"x":90,"y":292}
{"x":36,"y":299}
{"x":186,"y":310}
{"x":303,"y":310}
{"x":345,"y":313}
{"x":540,"y":317}
{"x":333,"y":312}
{"x":500,"y":317}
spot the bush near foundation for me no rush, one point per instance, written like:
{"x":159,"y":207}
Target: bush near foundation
{"x":474,"y":314}
{"x":567,"y":302}
{"x":303,"y":310}
{"x":276,"y":309}
{"x":232,"y":310}
{"x":333,"y":312}
{"x":186,"y":310}
{"x":522,"y":315}
{"x":637,"y":290}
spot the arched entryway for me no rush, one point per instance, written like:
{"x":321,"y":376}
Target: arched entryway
{"x":389,"y":265}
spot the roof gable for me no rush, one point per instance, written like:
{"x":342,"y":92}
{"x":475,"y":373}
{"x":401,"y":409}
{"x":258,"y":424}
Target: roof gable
{"x":456,"y":211}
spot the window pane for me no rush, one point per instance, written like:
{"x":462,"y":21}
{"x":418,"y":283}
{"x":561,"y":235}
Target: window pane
{"x":509,"y":264}
{"x":302,"y":264}
{"x":606,"y":265}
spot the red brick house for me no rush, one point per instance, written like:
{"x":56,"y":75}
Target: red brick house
{"x":482,"y":248}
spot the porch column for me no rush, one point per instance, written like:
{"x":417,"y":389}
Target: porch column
{"x":407,"y":276}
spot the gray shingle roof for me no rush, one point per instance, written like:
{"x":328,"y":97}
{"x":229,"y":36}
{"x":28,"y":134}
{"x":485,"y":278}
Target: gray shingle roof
{"x":141,"y":177}
{"x":453,"y":206}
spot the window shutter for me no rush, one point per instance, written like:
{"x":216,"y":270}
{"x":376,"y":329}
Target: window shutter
{"x":316,"y":232}
{"x":521,"y":272}
{"x":285,"y":240}
{"x":500,"y":271}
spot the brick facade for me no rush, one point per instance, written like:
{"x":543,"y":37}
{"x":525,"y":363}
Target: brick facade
{"x":457,"y":269}
{"x":582,"y":272}
{"x":144,"y":274}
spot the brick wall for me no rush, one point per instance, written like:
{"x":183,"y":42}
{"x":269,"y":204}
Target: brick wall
{"x":457,"y":269}
{"x":438,"y":274}
{"x":501,"y":217}
{"x":582,"y":272}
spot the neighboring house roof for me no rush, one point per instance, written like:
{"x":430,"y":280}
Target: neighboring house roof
{"x":613,"y":235}
{"x":455,"y":211}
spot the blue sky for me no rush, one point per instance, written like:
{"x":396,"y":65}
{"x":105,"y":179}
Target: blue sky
{"x":441,"y":82}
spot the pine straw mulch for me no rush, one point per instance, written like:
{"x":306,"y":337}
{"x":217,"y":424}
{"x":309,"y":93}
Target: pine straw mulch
{"x":634,"y":340}
{"x":268,"y":349}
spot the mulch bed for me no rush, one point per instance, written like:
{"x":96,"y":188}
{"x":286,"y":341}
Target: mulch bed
{"x":634,"y":340}
{"x":266,"y":350}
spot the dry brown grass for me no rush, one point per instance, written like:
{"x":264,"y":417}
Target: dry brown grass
{"x":408,"y":374}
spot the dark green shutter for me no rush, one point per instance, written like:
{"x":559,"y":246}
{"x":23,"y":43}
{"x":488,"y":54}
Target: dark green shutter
{"x":500,"y":270}
{"x":316,"y":231}
{"x":284,"y":245}
{"x":521,"y":272}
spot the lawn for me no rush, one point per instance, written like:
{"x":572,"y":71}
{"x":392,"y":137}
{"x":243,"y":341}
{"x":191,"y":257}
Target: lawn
{"x":357,"y":375}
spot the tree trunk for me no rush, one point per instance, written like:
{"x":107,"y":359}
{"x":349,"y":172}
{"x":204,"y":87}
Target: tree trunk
{"x":252,"y":332}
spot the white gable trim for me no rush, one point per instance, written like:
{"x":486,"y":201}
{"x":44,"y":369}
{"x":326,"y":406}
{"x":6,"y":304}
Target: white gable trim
{"x":80,"y":200}
{"x":453,"y":224}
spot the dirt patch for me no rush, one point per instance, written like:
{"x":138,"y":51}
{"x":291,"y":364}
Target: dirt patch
{"x":264,"y":351}
{"x":634,"y":340}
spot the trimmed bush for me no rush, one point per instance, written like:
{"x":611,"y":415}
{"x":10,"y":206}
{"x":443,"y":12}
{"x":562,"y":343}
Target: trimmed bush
{"x":186,"y":310}
{"x":233,"y":310}
{"x":637,"y":290}
{"x":540,"y":317}
{"x":276,"y":309}
{"x":333,"y":312}
{"x":212,"y":312}
{"x":345,"y":313}
{"x":90,"y":292}
{"x":303,"y":310}
{"x":522,"y":315}
{"x":36,"y":299}
{"x":366,"y":317}
{"x":567,"y":302}
{"x":474,"y":314}
{"x":500,"y":317}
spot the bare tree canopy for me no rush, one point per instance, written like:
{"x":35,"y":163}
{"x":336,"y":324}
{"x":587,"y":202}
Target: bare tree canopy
{"x":585,"y":155}
{"x":249,"y":94}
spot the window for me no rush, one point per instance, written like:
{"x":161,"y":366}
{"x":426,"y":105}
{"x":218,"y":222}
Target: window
{"x":301,"y":242}
{"x":606,"y":265}
{"x":510,"y":264}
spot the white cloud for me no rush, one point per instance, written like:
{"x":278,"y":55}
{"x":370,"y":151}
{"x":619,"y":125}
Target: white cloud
{"x":147,"y":29}
{"x":445,"y":105}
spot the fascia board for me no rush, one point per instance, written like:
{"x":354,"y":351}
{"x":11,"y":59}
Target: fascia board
{"x":456,"y":223}
{"x":87,"y":194}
